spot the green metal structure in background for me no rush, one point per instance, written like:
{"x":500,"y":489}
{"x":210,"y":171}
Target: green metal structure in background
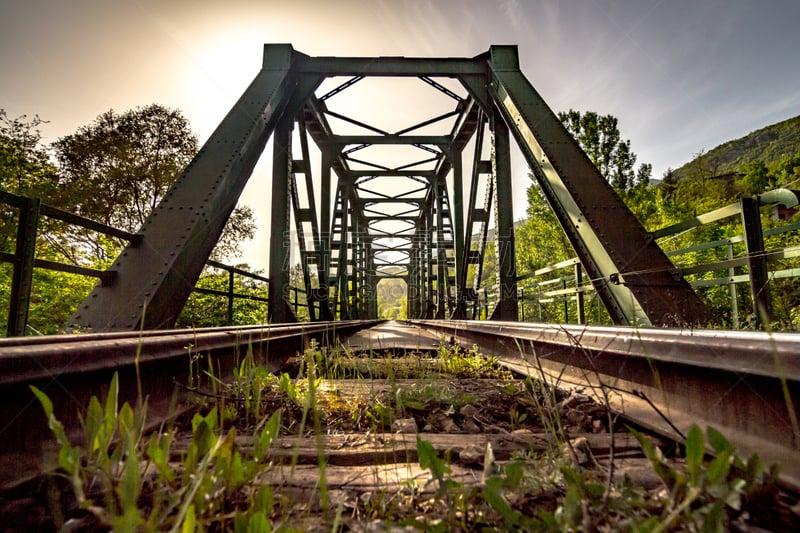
{"x":431,"y":228}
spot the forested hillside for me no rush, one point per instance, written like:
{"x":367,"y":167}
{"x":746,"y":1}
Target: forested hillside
{"x":768,"y":145}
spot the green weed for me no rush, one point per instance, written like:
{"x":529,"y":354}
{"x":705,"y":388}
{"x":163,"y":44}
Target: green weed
{"x":128,"y":481}
{"x":705,"y":495}
{"x":708,"y":493}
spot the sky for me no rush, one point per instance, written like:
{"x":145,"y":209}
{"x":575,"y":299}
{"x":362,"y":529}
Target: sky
{"x":680,"y":75}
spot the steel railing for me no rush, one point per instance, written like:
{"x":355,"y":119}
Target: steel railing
{"x":568,"y":290}
{"x":24,"y":260}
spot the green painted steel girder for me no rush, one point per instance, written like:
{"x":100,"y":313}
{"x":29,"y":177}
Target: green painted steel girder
{"x":635,"y":280}
{"x":391,"y":66}
{"x":345,"y":140}
{"x":156,"y":276}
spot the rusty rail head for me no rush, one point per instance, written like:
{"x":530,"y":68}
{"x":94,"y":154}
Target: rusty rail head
{"x":745,"y":384}
{"x":72,"y":368}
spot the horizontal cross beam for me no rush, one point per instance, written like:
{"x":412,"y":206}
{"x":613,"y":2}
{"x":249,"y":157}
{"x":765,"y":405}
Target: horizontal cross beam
{"x":389,"y":66}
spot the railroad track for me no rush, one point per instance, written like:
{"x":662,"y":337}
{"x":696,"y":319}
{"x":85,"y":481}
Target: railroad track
{"x":744,"y":384}
{"x":73,"y":368}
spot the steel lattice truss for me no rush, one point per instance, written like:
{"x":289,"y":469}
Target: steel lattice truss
{"x":413,"y":198}
{"x":392,"y":215}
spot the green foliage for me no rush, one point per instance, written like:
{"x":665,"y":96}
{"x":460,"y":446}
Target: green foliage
{"x":115,"y":171}
{"x":131,"y":481}
{"x":209,"y":310}
{"x":708,"y":495}
{"x":469,"y":364}
{"x":600,"y":138}
{"x":686,"y":198}
{"x":25,"y":169}
{"x":769,"y":144}
{"x":540,"y":241}
{"x":54,"y":298}
{"x":297,"y":299}
{"x":249,"y":383}
{"x":106,"y":474}
{"x":429,"y":460}
{"x":392,"y":302}
{"x":695,"y":189}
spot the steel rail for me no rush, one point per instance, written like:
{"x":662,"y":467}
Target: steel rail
{"x":745,"y":384}
{"x":90,"y":336}
{"x":72,"y":368}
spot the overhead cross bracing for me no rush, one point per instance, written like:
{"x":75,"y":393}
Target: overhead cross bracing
{"x":388,"y":165}
{"x":395,"y":193}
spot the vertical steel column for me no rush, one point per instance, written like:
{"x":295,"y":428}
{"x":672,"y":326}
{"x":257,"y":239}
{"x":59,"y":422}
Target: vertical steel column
{"x":475,"y":216}
{"x":579,"y":294}
{"x":458,"y":232}
{"x":326,"y":229}
{"x":353,"y":265}
{"x":24,"y":256}
{"x":448,"y":233}
{"x":483,"y":234}
{"x":423,"y":263}
{"x":356,"y":271}
{"x":414,"y":294}
{"x":506,"y":306}
{"x":230,"y":296}
{"x":300,"y":216}
{"x":308,"y":255}
{"x":280,"y":241}
{"x":410,"y":277}
{"x":371,"y":282}
{"x":345,"y":251}
{"x":441,"y":257}
{"x":430,"y":308}
{"x":732,"y":290}
{"x":756,"y":260}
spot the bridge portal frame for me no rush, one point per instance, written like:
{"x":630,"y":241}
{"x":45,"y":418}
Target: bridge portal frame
{"x":634,"y":279}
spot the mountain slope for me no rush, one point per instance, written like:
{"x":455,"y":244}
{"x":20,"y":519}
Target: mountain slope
{"x":768,"y":144}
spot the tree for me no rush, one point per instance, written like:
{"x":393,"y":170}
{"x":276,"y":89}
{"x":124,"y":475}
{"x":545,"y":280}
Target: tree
{"x":203,"y":310}
{"x":116,"y":170}
{"x":757,"y":178}
{"x":702,"y":166}
{"x":392,"y":296}
{"x":788,"y":170}
{"x":540,"y":240}
{"x":25,"y":168}
{"x":600,"y":138}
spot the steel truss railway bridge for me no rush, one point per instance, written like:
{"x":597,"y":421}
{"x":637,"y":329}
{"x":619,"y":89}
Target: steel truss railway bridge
{"x":361,"y":216}
{"x":366,"y":216}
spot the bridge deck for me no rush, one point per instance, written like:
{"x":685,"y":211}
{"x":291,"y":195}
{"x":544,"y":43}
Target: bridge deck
{"x":393,"y":336}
